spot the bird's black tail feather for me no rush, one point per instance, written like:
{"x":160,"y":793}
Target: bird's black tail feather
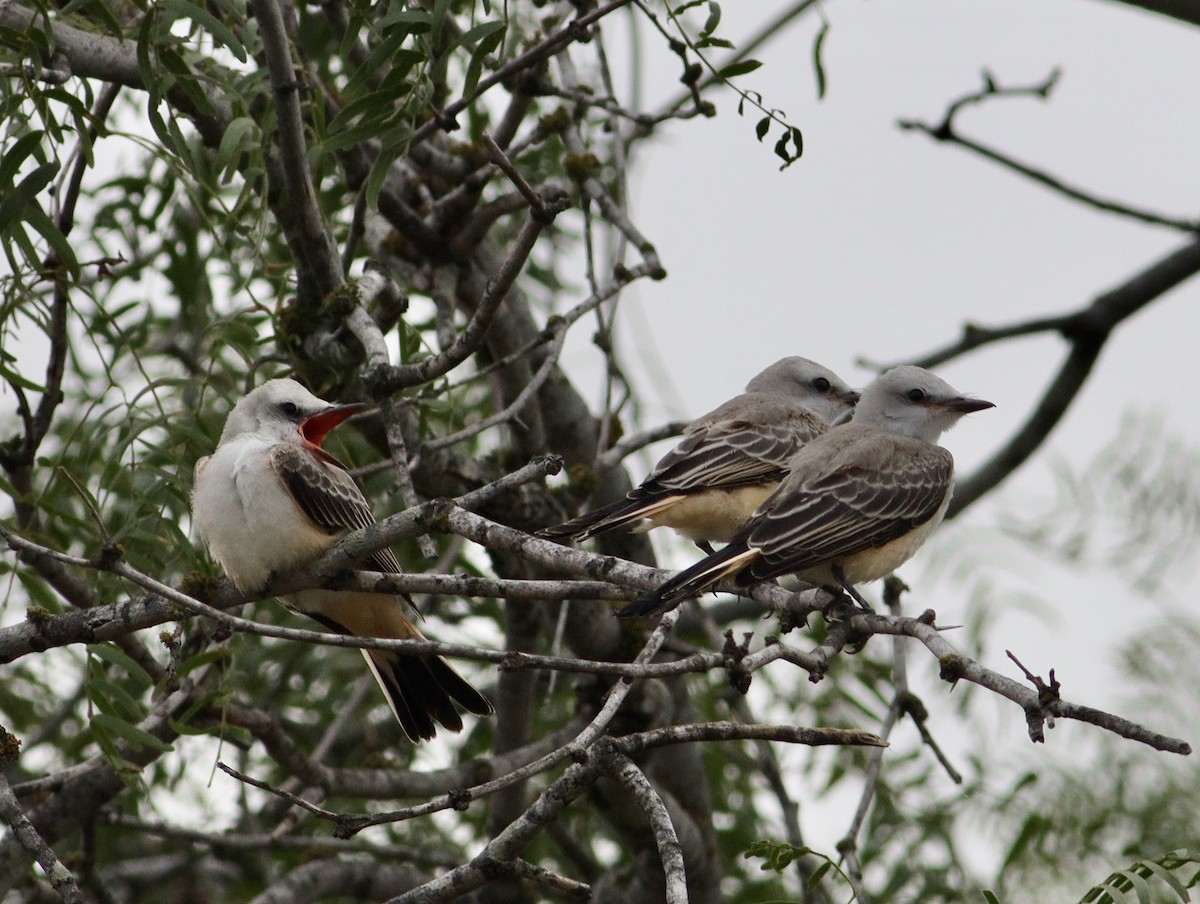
{"x":691,"y":581}
{"x":608,"y":517}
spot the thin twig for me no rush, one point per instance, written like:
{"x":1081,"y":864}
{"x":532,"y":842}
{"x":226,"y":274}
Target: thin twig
{"x":945,"y":131}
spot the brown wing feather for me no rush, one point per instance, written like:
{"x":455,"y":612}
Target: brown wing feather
{"x":328,"y":495}
{"x":748,"y":441}
{"x":852,"y":507}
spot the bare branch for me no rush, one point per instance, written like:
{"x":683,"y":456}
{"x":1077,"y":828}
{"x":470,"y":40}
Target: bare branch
{"x":955,"y":667}
{"x":1088,"y":330}
{"x":61,"y":879}
{"x":619,"y":451}
{"x":315,"y":252}
{"x":945,"y":132}
{"x":669,"y":850}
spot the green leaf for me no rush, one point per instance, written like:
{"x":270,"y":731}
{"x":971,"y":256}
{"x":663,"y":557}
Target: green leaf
{"x":763,"y":125}
{"x":789,"y":156}
{"x":237,"y":137}
{"x":63,"y":250}
{"x":990,"y":897}
{"x":818,"y":59}
{"x":15,"y":155}
{"x":484,"y":29}
{"x":475,"y":68}
{"x":201,"y":659}
{"x":1139,"y":883}
{"x":437,"y":19}
{"x":137,"y":736}
{"x":115,"y":656}
{"x":1164,"y":875}
{"x":741,"y":67}
{"x":713,"y":20}
{"x":12,"y":207}
{"x":819,"y":873}
{"x":109,"y":697}
{"x":183,"y":9}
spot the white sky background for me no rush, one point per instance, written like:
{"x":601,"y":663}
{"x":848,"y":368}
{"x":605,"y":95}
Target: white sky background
{"x":881,"y":244}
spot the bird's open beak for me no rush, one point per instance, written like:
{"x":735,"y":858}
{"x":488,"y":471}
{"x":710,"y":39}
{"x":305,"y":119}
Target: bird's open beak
{"x":314,"y":429}
{"x":966,"y":406}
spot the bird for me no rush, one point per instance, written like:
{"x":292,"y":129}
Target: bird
{"x":729,"y":460}
{"x":858,"y":501}
{"x":270,"y":498}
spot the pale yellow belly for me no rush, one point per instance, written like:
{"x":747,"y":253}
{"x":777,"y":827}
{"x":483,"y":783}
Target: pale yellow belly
{"x":711,"y":515}
{"x":872,"y":564}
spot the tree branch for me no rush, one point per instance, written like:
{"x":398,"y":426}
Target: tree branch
{"x":61,"y":879}
{"x":945,"y":132}
{"x":670,"y":852}
{"x":313,"y":248}
{"x":1087,"y":330}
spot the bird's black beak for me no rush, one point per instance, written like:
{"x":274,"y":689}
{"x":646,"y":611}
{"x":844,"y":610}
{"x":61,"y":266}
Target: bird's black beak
{"x":315,"y":428}
{"x":963,"y":405}
{"x":850,"y":396}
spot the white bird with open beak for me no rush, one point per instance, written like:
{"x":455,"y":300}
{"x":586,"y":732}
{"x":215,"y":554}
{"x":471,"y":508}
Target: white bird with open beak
{"x":270,"y":499}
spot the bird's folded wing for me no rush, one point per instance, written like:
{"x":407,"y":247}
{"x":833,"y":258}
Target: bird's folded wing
{"x":328,"y":495}
{"x":731,"y":453}
{"x":848,"y":510}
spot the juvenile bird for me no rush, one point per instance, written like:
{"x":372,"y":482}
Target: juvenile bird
{"x":858,"y":501}
{"x":729,"y":460}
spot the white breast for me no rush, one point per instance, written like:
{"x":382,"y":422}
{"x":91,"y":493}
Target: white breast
{"x":248,"y":519}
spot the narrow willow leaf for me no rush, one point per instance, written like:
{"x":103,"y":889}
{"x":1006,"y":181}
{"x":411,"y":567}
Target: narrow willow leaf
{"x":238,"y":136}
{"x":12,"y":207}
{"x":741,"y":67}
{"x":819,"y":60}
{"x":713,"y":20}
{"x":1167,"y":878}
{"x":114,"y":655}
{"x":184,"y":9}
{"x":15,"y":155}
{"x":137,"y":736}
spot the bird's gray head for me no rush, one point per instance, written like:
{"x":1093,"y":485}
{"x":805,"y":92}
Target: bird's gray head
{"x":817,"y":388}
{"x":284,"y":411}
{"x":915,"y":402}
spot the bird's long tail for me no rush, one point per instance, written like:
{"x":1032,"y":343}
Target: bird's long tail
{"x":615,"y":515}
{"x":422,"y":689}
{"x":692,"y":581}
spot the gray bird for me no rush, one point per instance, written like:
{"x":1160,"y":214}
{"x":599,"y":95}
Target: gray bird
{"x":858,"y":501}
{"x":729,"y":460}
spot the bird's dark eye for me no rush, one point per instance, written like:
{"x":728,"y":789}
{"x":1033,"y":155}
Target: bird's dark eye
{"x":291,"y":409}
{"x":821,"y":385}
{"x":917,"y":395}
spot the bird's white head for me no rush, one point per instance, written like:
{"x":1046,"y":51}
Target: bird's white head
{"x":817,"y":388}
{"x":283,"y":411}
{"x":912,"y":401}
